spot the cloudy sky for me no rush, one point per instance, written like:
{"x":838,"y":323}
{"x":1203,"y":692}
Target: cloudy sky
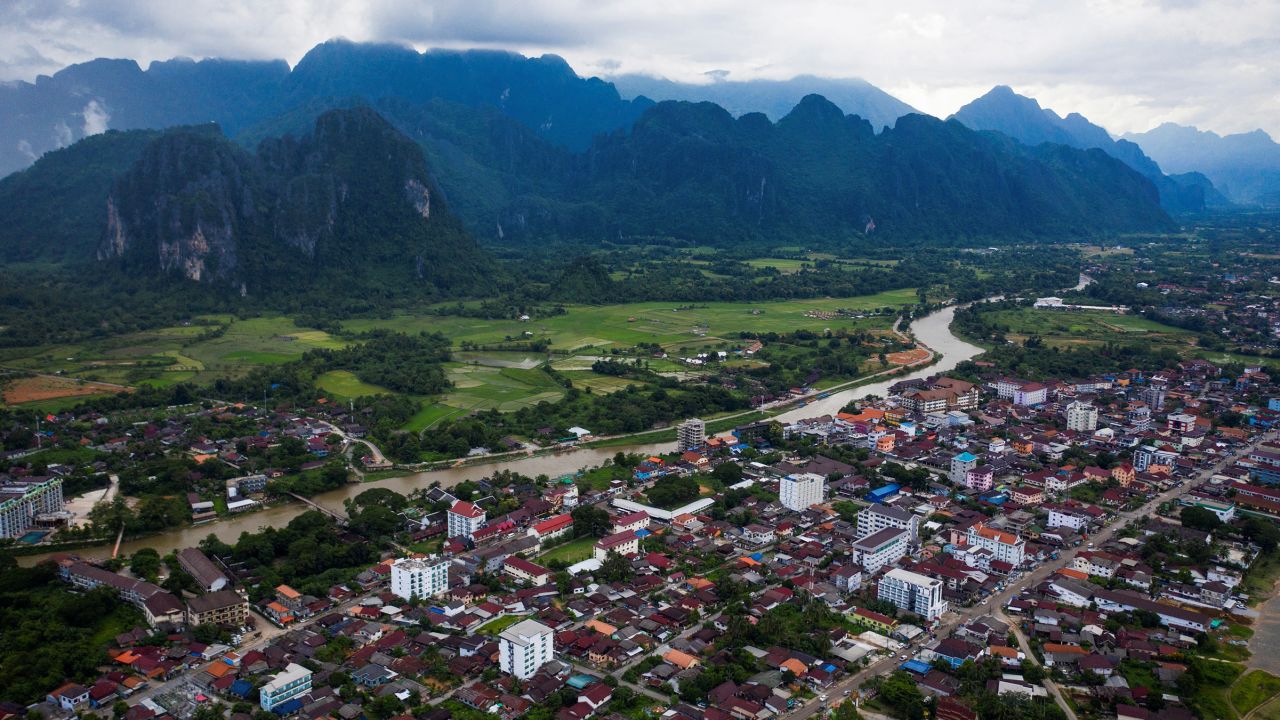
{"x":1126,"y":64}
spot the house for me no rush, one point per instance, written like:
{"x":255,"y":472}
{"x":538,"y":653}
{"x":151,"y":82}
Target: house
{"x":70,"y":696}
{"x":622,"y":543}
{"x":525,"y":571}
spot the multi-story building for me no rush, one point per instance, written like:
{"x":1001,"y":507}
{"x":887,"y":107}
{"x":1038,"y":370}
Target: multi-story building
{"x":801,"y":491}
{"x":227,"y":608}
{"x":1004,"y":546}
{"x":1033,"y":393}
{"x":690,"y":434}
{"x":980,"y":479}
{"x":293,"y":682}
{"x":201,"y":568}
{"x":21,"y":502}
{"x":1181,"y":422}
{"x":156,"y":605}
{"x":1146,"y":456}
{"x":1154,"y":396}
{"x":913,"y":592}
{"x":552,"y":528}
{"x":638,"y":520}
{"x":943,"y":394}
{"x":960,"y":466}
{"x":525,"y":647}
{"x":881,"y":548}
{"x":622,"y":543}
{"x":465,"y":519}
{"x":874,"y":518}
{"x":525,"y":571}
{"x":419,"y":577}
{"x":1082,"y":417}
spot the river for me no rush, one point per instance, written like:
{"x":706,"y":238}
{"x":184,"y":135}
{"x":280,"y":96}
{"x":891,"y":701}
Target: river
{"x":932,"y":330}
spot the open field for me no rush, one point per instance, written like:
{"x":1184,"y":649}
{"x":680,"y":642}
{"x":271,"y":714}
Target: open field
{"x":494,"y":627}
{"x":344,"y":385}
{"x":43,"y":388}
{"x":570,"y":552}
{"x":478,"y":387}
{"x":166,"y":356}
{"x":1253,"y":689}
{"x":1061,"y":328}
{"x":665,"y":323}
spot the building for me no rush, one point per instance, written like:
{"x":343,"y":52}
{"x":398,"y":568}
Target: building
{"x":419,"y":577}
{"x":223,"y":607}
{"x":202,"y":570}
{"x":913,"y":592}
{"x":525,"y":571}
{"x":1181,"y":422}
{"x":980,"y":479}
{"x":960,"y":466}
{"x":294,"y":681}
{"x":1154,"y":396}
{"x":465,"y":519}
{"x":943,"y":394}
{"x":525,"y":647}
{"x":880,"y":549}
{"x":874,"y":518}
{"x":21,"y":502}
{"x":622,"y":543}
{"x":801,"y":491}
{"x":638,"y":520}
{"x":1082,"y":417}
{"x":690,"y":434}
{"x":69,"y":696}
{"x":156,"y":605}
{"x":552,"y":528}
{"x":1005,"y":546}
{"x":1031,"y":394}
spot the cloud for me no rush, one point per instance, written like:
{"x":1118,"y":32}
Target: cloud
{"x":24,"y":147}
{"x":1126,"y":64}
{"x":95,"y":117}
{"x":62,"y":135}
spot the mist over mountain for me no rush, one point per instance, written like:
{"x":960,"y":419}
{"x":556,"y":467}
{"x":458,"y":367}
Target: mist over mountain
{"x":1245,"y":166}
{"x":774,"y":98}
{"x":1020,"y":117}
{"x":543,"y":93}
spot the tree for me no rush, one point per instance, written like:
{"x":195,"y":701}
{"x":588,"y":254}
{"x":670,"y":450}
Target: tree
{"x":591,"y":521}
{"x":1199,"y":518}
{"x":727,"y":473}
{"x":145,"y":564}
{"x":615,"y":568}
{"x":899,"y":693}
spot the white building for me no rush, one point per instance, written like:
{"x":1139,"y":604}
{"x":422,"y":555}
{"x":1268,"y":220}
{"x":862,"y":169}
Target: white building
{"x":294,"y":681}
{"x":21,"y":502}
{"x":690,"y":434}
{"x":874,"y":518}
{"x":525,"y":647}
{"x":1066,"y":518}
{"x":960,"y":466}
{"x":1082,"y":417}
{"x":465,"y":519}
{"x":419,"y":577}
{"x":1003,"y":545}
{"x":801,"y":491}
{"x":1031,"y":394}
{"x":879,"y":549}
{"x":913,"y":592}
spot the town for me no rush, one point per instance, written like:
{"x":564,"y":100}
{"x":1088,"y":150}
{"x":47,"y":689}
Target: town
{"x":1075,"y":548}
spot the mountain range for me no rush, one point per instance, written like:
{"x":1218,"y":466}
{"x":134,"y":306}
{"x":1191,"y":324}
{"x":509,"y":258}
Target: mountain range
{"x":371,"y":165}
{"x":774,"y":98}
{"x":1245,"y":166}
{"x":1022,"y":118}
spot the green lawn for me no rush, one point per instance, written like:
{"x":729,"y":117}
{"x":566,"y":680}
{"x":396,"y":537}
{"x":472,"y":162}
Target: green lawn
{"x":494,"y":627}
{"x":344,"y":385}
{"x":570,"y":552}
{"x":1253,"y":689}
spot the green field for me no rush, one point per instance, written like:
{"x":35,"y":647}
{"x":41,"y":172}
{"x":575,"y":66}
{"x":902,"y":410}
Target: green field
{"x":344,"y":385}
{"x":493,"y":627}
{"x":664,"y":323}
{"x":479,"y":387}
{"x":571,"y":552}
{"x":1061,"y":328}
{"x":1253,"y":689}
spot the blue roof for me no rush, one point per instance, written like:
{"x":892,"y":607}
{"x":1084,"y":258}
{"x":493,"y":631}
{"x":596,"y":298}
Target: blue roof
{"x":241,"y":688}
{"x":884,"y":491}
{"x":287,"y":707}
{"x":966,"y":457}
{"x":580,"y":681}
{"x":643,"y":533}
{"x":916,"y":666}
{"x":756,"y":556}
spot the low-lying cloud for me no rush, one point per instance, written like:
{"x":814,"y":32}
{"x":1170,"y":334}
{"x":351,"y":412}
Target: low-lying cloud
{"x":1127,"y":64}
{"x":96,"y":118}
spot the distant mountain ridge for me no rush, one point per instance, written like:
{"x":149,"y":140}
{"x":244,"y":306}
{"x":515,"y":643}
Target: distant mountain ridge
{"x":1245,"y":166}
{"x":349,"y":205}
{"x":543,"y":93}
{"x":774,"y":98}
{"x":1022,"y":118}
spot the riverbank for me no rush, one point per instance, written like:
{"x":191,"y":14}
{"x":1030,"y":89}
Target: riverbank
{"x":931,"y":331}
